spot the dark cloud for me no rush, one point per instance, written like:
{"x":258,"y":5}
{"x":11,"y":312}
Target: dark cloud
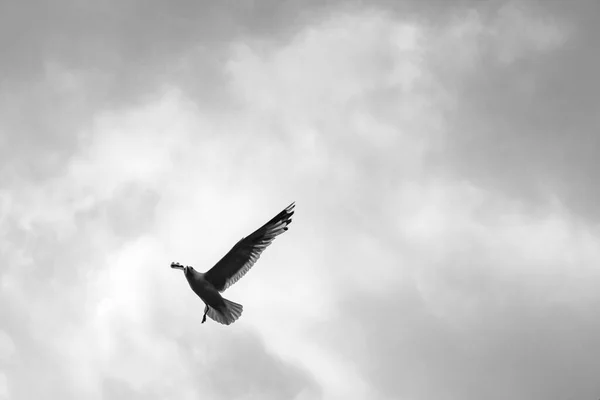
{"x":119,"y":53}
{"x":509,"y":134}
{"x":529,"y":128}
{"x":243,"y":366}
{"x":114,"y":54}
{"x":129,"y":40}
{"x":512,"y":346}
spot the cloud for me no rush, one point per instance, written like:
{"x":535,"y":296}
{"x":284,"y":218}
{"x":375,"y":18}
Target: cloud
{"x":7,"y":347}
{"x":522,"y":121}
{"x":402,"y":274}
{"x":437,"y":279}
{"x":7,"y":354}
{"x":510,"y":33}
{"x":3,"y":387}
{"x":65,"y":63}
{"x":92,"y":234}
{"x":482,"y":295}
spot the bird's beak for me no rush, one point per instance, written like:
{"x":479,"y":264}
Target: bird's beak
{"x":176,"y":266}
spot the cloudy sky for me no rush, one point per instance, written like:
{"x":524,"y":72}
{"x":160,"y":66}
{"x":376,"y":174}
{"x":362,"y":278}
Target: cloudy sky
{"x":444,"y":160}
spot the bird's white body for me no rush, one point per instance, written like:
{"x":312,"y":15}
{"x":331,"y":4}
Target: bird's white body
{"x":228,"y":310}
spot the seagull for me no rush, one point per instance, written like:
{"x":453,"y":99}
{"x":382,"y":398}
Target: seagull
{"x":242,"y":256}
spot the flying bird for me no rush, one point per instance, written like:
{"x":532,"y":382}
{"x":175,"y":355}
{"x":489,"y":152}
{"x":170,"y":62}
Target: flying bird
{"x":242,"y":256}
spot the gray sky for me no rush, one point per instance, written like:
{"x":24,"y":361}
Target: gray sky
{"x":443,"y":157}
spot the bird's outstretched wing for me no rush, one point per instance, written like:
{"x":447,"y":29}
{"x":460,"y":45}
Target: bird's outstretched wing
{"x":244,"y":254}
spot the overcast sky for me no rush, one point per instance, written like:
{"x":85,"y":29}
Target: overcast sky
{"x":443,"y":156}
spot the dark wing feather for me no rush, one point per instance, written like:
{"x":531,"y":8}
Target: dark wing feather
{"x":246,"y":252}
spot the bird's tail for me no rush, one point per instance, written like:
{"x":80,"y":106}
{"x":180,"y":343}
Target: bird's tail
{"x":228,"y":314}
